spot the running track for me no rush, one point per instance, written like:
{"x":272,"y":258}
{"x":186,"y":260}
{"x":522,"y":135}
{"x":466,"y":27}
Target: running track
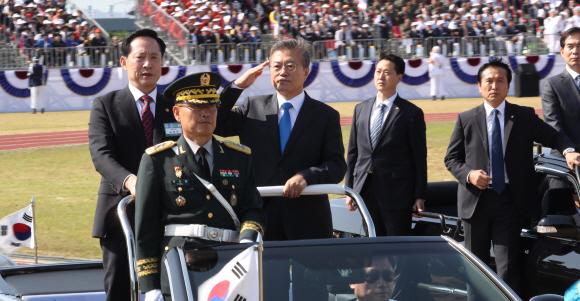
{"x":35,"y":140}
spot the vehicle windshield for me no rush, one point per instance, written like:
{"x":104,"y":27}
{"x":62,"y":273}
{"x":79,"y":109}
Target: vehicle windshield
{"x":352,"y":270}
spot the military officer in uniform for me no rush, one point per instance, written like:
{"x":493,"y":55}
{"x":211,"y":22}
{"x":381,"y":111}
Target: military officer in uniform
{"x":172,"y":200}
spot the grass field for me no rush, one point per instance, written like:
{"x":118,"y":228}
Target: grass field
{"x":64,"y":182}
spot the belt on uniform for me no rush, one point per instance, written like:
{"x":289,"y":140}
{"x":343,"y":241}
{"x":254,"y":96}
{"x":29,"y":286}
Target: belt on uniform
{"x":203,"y":232}
{"x":490,"y":186}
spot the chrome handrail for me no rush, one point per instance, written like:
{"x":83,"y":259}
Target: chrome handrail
{"x":271,"y":191}
{"x":130,"y":241}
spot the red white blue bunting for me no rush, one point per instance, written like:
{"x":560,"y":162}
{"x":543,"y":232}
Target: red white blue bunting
{"x":543,"y":63}
{"x":169,"y":75}
{"x":230,"y":73}
{"x":311,"y":75}
{"x":416,"y":72}
{"x":466,"y":68}
{"x":16,"y":83}
{"x":354,"y":74}
{"x":86,"y":82}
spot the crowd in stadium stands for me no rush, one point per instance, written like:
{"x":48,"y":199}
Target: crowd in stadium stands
{"x":45,"y":24}
{"x":234,"y":22}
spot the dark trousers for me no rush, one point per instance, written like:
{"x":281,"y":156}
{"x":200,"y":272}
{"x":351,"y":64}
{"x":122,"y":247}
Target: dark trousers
{"x":396,"y":222}
{"x":496,"y":221}
{"x":115,"y":260}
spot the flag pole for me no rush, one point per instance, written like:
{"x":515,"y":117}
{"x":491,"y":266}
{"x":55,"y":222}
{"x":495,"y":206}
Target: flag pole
{"x":34,"y":229}
{"x":261,"y":279}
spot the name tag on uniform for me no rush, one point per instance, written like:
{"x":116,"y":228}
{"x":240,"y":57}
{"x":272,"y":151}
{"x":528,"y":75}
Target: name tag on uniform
{"x":180,"y":182}
{"x":172,"y":129}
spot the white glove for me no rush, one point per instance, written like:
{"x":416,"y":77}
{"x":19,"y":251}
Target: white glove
{"x":154,"y":295}
{"x":246,"y":240}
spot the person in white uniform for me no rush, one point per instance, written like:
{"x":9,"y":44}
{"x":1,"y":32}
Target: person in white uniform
{"x":436,"y":63}
{"x":552,"y":29}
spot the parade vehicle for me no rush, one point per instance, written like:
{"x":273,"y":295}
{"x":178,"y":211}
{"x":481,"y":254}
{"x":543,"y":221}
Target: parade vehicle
{"x":421,"y":267}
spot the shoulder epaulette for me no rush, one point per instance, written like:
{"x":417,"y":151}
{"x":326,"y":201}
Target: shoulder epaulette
{"x":239,"y":147}
{"x":160,"y":147}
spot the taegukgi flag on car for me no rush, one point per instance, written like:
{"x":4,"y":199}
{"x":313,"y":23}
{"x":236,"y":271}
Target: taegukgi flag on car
{"x":17,"y":231}
{"x":238,"y":280}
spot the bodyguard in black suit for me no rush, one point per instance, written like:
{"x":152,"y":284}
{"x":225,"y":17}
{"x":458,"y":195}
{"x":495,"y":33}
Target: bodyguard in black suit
{"x":561,"y":96}
{"x":490,"y":156}
{"x":122,"y":125}
{"x":313,"y":152}
{"x":387,"y":152}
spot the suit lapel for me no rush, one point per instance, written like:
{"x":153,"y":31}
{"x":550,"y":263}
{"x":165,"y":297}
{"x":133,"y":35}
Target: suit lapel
{"x":126,"y":104}
{"x":306,"y":113}
{"x":572,"y":93}
{"x":366,"y":120}
{"x":271,"y":112}
{"x":162,"y":108}
{"x":508,"y":122}
{"x":482,"y":126}
{"x":394,"y":111}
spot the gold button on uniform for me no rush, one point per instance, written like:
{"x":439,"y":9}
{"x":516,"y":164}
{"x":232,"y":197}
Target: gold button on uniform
{"x":180,"y":189}
{"x":210,"y":215}
{"x":233,"y":186}
{"x":207,"y":196}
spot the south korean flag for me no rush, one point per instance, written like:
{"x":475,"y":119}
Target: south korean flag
{"x":16,"y":231}
{"x":238,"y":280}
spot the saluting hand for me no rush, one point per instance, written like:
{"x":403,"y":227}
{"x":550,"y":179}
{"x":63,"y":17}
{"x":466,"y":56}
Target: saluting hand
{"x":294,"y":186}
{"x":572,"y":159}
{"x":250,"y":76}
{"x":479,"y":178}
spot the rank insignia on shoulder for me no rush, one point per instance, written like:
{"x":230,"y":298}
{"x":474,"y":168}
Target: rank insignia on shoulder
{"x":160,"y":147}
{"x":239,"y":147}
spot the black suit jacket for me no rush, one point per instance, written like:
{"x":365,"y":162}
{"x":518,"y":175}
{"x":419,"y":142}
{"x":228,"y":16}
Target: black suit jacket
{"x":117,"y":142}
{"x":399,"y":160}
{"x":469,"y":150}
{"x":314,"y":149}
{"x":561,"y":106}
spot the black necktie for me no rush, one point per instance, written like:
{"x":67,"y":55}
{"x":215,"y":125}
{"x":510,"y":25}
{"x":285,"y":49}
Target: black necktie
{"x":203,"y":162}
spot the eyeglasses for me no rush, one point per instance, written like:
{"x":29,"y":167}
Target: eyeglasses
{"x":373,"y":275}
{"x":290,"y":67}
{"x":200,"y":108}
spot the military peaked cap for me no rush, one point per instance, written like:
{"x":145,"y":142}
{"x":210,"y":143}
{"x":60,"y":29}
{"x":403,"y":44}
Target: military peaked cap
{"x":197,"y":89}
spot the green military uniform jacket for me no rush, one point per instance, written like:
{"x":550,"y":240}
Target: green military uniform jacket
{"x":158,"y":187}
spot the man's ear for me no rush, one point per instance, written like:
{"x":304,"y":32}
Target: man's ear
{"x":176,"y":113}
{"x":123,"y":62}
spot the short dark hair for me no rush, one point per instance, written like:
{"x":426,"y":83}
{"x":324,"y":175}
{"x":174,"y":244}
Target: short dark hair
{"x":126,"y":45}
{"x":568,"y":33}
{"x":395,"y":59}
{"x":495,"y":62}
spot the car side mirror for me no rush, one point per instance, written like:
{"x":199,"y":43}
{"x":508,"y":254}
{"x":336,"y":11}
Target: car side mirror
{"x":558,"y":226}
{"x":548,"y":297}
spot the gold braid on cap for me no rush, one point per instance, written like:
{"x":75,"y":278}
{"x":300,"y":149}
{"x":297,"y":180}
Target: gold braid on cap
{"x":192,"y":93}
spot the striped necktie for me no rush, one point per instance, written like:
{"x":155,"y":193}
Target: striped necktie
{"x":377,"y":125}
{"x":577,"y":82}
{"x":147,"y":119}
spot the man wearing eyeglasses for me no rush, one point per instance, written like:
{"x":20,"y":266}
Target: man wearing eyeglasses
{"x":295,"y":140}
{"x":190,"y":192}
{"x":379,"y":281}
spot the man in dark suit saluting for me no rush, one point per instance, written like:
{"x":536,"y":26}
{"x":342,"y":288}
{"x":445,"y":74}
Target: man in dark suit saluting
{"x":122,"y":125}
{"x":387,"y":152}
{"x":561,"y":97}
{"x":295,"y":141}
{"x":490,"y":156}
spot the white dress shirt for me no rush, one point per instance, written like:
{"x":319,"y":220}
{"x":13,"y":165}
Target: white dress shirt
{"x":374,"y":112}
{"x":208,"y":146}
{"x":297,"y":102}
{"x":489,"y":118}
{"x":140,"y":104}
{"x":573,"y":73}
